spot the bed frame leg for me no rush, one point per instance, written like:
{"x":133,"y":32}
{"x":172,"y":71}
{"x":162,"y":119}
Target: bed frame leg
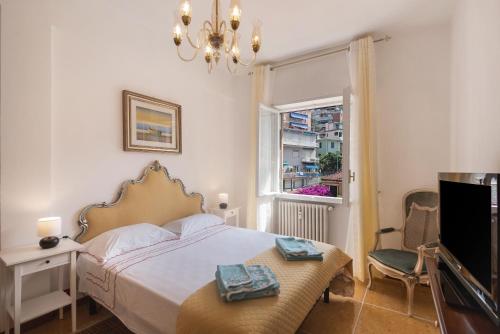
{"x":92,"y":307}
{"x":326,"y":296}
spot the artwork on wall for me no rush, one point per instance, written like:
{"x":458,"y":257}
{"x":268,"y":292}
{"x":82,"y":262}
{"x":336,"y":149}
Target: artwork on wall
{"x":150,"y":124}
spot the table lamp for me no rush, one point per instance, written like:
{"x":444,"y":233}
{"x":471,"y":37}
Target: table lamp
{"x":49,"y":229}
{"x":223,"y":200}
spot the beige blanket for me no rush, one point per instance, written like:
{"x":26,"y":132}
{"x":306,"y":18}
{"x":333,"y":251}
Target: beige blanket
{"x":302,"y":283}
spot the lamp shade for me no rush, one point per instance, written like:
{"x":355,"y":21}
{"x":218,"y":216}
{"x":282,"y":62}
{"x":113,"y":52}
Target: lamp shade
{"x":49,"y":226}
{"x":223,"y":198}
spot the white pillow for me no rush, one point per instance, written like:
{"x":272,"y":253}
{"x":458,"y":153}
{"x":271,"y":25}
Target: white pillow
{"x":191,"y":224}
{"x":126,"y":239}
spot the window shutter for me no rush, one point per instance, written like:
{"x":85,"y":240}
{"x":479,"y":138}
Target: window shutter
{"x":268,"y":151}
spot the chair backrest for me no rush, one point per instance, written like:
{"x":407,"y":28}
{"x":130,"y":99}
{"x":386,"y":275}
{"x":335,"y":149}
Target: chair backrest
{"x":420,"y":218}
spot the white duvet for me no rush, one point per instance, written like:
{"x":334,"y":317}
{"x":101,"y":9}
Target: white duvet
{"x":145,"y":288}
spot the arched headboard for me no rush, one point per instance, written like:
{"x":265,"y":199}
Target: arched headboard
{"x":153,"y":198}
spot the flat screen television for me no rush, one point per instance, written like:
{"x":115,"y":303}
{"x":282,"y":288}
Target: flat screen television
{"x":469,"y":235}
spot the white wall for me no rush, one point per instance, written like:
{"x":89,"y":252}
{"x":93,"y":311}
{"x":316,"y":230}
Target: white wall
{"x":323,"y":77}
{"x":25,"y":132}
{"x":475,"y":98}
{"x":413,"y":114}
{"x":413,"y":124}
{"x":65,"y":65}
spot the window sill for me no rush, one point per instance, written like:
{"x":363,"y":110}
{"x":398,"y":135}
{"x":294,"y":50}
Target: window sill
{"x":309,"y":198}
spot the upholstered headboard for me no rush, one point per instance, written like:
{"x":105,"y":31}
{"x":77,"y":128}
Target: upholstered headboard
{"x":153,"y":198}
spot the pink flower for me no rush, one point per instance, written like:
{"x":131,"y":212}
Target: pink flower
{"x":315,"y":190}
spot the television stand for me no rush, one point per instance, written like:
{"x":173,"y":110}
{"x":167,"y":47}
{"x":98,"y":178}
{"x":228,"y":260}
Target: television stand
{"x":454,"y":294}
{"x":459,"y":316}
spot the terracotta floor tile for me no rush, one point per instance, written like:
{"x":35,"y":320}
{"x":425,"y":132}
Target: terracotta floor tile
{"x":374,"y":320}
{"x":391,"y":294}
{"x":423,"y":304}
{"x":359,"y":290}
{"x":336,"y":317}
{"x":387,"y":293}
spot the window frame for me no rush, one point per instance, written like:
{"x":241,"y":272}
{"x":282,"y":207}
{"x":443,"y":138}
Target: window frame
{"x":319,"y":103}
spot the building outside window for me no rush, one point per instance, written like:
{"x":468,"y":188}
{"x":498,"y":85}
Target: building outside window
{"x":312,"y":151}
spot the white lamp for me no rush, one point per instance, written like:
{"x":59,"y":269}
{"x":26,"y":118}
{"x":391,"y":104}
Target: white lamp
{"x":49,"y":228}
{"x":223,"y":200}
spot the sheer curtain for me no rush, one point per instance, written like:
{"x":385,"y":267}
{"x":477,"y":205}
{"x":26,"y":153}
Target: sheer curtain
{"x":261,"y":94}
{"x":363,"y":213}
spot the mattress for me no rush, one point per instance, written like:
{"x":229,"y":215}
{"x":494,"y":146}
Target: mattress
{"x":145,"y":288}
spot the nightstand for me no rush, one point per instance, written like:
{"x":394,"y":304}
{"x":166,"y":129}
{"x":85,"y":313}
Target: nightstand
{"x":227,"y":213}
{"x":25,"y":260}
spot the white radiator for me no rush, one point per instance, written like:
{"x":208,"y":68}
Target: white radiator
{"x":303,"y":220}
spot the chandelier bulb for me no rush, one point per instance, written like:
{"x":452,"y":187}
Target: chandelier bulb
{"x":235,"y":14}
{"x":185,"y":12}
{"x":256,"y":37}
{"x":177,"y":34}
{"x":208,"y":53}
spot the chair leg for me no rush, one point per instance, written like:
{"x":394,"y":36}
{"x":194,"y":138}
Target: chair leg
{"x":369,"y":275}
{"x":410,"y":291}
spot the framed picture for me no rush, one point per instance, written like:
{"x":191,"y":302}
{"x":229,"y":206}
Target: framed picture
{"x":150,"y":124}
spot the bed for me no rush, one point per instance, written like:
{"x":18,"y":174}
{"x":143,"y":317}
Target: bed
{"x":168,"y":287}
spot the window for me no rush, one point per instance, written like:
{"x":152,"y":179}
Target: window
{"x":301,"y":150}
{"x":317,"y":169}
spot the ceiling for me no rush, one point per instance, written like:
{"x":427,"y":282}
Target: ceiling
{"x":293,"y":27}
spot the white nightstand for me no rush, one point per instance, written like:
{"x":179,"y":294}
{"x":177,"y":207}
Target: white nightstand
{"x":227,"y":213}
{"x":25,"y":260}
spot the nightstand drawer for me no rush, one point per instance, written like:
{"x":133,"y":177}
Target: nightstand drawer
{"x":230,"y":213}
{"x":43,"y":264}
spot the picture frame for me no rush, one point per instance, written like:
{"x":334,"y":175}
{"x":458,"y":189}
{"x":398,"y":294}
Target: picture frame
{"x":151,"y":124}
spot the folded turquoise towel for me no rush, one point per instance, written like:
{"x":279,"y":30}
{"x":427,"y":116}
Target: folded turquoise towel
{"x":318,"y":257}
{"x":264,"y":283}
{"x":294,"y":249}
{"x":234,"y":276}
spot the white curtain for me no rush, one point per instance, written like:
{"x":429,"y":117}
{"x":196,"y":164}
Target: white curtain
{"x":259,"y":207}
{"x":363,"y":213}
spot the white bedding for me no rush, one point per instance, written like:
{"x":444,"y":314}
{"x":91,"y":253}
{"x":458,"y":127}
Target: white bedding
{"x":145,"y":288}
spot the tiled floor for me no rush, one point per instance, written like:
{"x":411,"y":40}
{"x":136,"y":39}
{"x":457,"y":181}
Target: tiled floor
{"x":381,"y":309}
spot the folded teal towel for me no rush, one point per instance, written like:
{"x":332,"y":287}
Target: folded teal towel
{"x":318,"y":257}
{"x":264,"y":283}
{"x":294,"y":249}
{"x":234,"y":276}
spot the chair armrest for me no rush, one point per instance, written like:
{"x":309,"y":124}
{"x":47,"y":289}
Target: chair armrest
{"x":388,"y":230}
{"x":423,"y":251}
{"x":383,"y":231}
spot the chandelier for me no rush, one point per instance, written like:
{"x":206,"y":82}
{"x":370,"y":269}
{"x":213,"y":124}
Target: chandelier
{"x":215,"y":37}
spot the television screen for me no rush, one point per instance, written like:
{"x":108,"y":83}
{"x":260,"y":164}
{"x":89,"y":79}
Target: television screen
{"x":465,"y":227}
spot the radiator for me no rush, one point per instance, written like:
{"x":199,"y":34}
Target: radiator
{"x":303,"y":220}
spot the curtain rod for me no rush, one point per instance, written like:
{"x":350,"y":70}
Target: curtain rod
{"x":323,"y":53}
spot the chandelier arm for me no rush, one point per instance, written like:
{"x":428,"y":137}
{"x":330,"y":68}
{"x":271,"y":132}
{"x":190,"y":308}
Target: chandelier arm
{"x":227,"y":46}
{"x":223,"y":25}
{"x":195,"y":46}
{"x":229,"y":66}
{"x":254,"y":57}
{"x":187,"y":59}
{"x":210,"y":27}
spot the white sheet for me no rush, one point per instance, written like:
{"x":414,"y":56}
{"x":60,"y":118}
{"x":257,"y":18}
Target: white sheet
{"x":145,"y":288}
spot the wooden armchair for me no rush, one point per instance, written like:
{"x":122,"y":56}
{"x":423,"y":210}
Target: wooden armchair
{"x":419,"y":232}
